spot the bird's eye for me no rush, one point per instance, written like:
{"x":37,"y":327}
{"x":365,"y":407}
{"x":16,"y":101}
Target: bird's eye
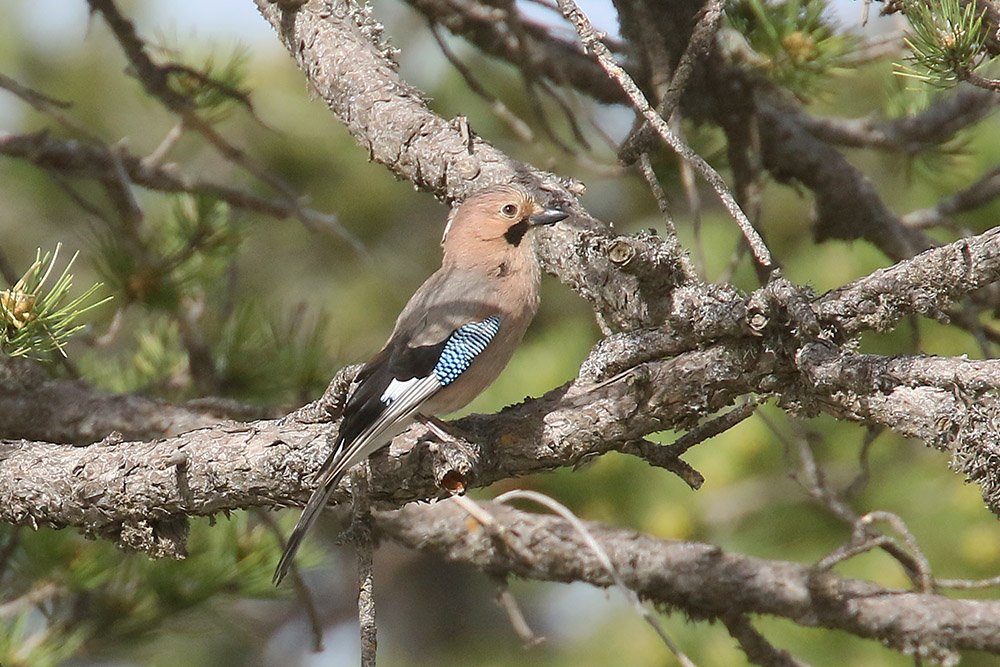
{"x":509,"y":210}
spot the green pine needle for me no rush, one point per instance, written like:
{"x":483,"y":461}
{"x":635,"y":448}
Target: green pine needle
{"x":794,"y":43}
{"x":35,"y":322}
{"x":945,"y":38}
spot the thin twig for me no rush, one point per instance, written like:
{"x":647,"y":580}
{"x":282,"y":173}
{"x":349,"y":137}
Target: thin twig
{"x":813,"y":480}
{"x":992,"y":85}
{"x":49,"y":106}
{"x":240,"y":96}
{"x":860,"y":481}
{"x":980,"y":193}
{"x":646,"y":167}
{"x":698,"y":45}
{"x":693,"y":197}
{"x":361,"y":534}
{"x":169,"y":141}
{"x":519,"y":127}
{"x":663,"y":456}
{"x":668,"y":456}
{"x":602,"y":556}
{"x":568,"y":112}
{"x":532,"y":80}
{"x":714,"y":427}
{"x":864,"y":539}
{"x":155,"y":81}
{"x":735,"y":257}
{"x":119,"y":190}
{"x":759,"y":651}
{"x":301,"y":590}
{"x":925,"y":577}
{"x":78,"y":199}
{"x":538,"y":110}
{"x":592,"y":41}
{"x":508,"y":603}
{"x":96,"y":160}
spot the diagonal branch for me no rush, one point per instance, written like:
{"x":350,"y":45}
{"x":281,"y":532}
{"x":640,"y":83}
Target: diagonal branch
{"x":631,"y":385}
{"x":532,"y":48}
{"x":908,"y":134}
{"x":592,"y":41}
{"x":980,"y":193}
{"x":337,"y":45}
{"x":925,"y":285}
{"x":98,"y":161}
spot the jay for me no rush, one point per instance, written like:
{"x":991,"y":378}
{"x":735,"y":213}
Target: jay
{"x":450,"y":342}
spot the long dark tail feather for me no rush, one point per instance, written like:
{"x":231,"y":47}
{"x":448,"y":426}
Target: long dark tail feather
{"x":310,"y":513}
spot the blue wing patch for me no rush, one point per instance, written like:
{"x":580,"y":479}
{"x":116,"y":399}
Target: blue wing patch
{"x":464,"y":345}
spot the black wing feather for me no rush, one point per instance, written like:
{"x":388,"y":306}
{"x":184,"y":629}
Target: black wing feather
{"x":365,"y":404}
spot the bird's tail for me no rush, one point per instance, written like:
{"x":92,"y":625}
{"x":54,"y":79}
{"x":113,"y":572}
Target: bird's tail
{"x":310,"y":513}
{"x":393,"y":420}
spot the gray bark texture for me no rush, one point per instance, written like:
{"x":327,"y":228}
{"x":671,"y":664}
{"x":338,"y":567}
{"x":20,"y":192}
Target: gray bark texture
{"x":676,"y":351}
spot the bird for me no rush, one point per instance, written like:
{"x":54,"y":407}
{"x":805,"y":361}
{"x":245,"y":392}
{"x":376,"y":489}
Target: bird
{"x":451,"y":340}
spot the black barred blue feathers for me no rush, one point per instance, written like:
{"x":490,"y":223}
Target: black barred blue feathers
{"x":463,"y":346}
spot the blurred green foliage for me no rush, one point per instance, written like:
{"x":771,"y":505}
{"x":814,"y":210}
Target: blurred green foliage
{"x":795,"y":43}
{"x":946,"y":39}
{"x":282,"y":308}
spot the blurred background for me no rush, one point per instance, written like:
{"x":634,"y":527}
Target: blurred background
{"x":283,"y":307}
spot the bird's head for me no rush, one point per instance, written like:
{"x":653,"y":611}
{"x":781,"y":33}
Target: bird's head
{"x":495,"y":223}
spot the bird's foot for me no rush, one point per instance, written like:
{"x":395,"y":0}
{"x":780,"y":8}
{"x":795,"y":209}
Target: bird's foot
{"x":438,"y":428}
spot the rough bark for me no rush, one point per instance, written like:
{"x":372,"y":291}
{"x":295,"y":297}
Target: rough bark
{"x":703,"y":580}
{"x":705,"y":356}
{"x":676,"y":351}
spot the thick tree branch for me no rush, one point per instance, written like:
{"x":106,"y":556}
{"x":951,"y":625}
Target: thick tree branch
{"x":909,"y":134}
{"x":631,"y":385}
{"x":337,"y":46}
{"x":111,"y":486}
{"x":683,"y":351}
{"x":701,"y":579}
{"x":950,"y":404}
{"x":926,"y":285}
{"x":36,"y":406}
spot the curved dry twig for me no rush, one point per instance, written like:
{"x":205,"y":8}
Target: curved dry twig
{"x":592,"y":41}
{"x":602,"y":557}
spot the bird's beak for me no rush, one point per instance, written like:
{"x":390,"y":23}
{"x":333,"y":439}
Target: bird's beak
{"x":548,"y":216}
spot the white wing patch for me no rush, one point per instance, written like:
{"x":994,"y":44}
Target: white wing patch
{"x":406,"y":399}
{"x":396,"y":389}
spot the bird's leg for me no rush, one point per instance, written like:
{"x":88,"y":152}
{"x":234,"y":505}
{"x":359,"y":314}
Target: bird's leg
{"x":437,"y":427}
